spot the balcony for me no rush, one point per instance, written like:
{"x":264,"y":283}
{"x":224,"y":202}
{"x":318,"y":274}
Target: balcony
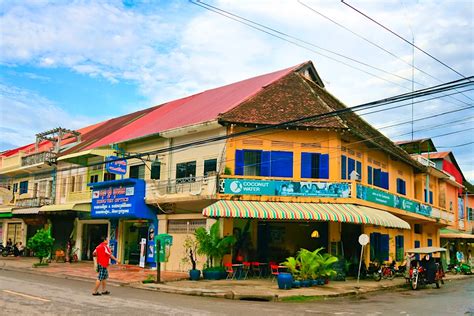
{"x":184,"y":189}
{"x":79,"y":197}
{"x":33,"y":202}
{"x":43,"y":157}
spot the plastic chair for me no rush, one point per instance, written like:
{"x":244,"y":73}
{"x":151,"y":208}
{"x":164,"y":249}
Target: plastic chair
{"x":256,"y":269}
{"x":274,"y":271}
{"x":230,"y":271}
{"x":246,"y":269}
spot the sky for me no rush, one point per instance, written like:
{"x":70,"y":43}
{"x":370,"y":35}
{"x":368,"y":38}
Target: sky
{"x":74,"y":63}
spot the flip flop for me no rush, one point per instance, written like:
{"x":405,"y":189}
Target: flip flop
{"x":96,"y":294}
{"x":106,"y":293}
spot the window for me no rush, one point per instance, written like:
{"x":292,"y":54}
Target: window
{"x":348,"y":166}
{"x":314,"y":165}
{"x":109,"y":176}
{"x":15,"y":187}
{"x":399,"y":248}
{"x":429,"y":197}
{"x":401,"y":186}
{"x":377,"y":177}
{"x":417,"y":228}
{"x":137,"y":172}
{"x":430,"y":242}
{"x":379,"y":246}
{"x":186,"y":170}
{"x":63,"y":187}
{"x":72,"y":183}
{"x":470,"y":214}
{"x":185,"y":226}
{"x":264,"y":163}
{"x":155,"y":170}
{"x":23,"y":187}
{"x":94,"y":178}
{"x":210,"y":165}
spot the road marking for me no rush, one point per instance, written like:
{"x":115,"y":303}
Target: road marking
{"x":27,"y":296}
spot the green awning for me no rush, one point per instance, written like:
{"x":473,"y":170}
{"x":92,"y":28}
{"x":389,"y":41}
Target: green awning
{"x":6,"y":211}
{"x":333,"y":212}
{"x":450,"y":233}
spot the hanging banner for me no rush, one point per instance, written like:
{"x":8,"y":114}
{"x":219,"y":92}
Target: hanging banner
{"x":117,"y":167}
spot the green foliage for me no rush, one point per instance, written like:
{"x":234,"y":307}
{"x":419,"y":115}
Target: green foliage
{"x":311,"y":264}
{"x":41,"y":243}
{"x":149,"y":279}
{"x":190,"y":251}
{"x":227,"y":171}
{"x":212,"y":245}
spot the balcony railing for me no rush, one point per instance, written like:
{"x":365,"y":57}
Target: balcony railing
{"x":184,"y":187}
{"x":33,"y":202}
{"x":79,"y":196}
{"x":34,"y":159}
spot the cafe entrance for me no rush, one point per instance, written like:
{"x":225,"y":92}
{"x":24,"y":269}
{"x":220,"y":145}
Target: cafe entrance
{"x":133,"y":232}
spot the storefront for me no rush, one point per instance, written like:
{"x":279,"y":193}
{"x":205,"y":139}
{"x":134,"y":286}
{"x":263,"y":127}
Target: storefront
{"x":132,"y":222}
{"x":272,"y":231}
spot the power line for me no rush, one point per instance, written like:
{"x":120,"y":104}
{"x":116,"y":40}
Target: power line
{"x":377,"y":46}
{"x":394,"y":99}
{"x":403,"y":39}
{"x":455,"y":146}
{"x":261,"y":28}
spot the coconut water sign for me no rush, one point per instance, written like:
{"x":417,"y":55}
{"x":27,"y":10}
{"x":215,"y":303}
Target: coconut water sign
{"x":115,"y":166}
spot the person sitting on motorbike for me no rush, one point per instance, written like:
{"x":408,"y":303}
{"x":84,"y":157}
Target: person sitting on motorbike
{"x":9,"y":242}
{"x":430,"y":268}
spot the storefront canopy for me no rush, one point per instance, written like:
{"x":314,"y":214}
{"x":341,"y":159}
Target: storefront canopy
{"x":454,"y":234}
{"x":26,"y":211}
{"x":6,"y":211}
{"x":345,"y":213}
{"x":80,"y":207}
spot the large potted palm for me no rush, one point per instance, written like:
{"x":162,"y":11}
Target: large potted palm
{"x":214,"y":247}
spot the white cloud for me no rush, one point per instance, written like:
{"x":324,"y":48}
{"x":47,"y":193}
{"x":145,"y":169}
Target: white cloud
{"x":24,"y":113}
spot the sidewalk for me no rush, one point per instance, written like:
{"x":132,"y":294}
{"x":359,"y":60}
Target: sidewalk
{"x":176,"y":282}
{"x":121,"y":274}
{"x":267,"y":290}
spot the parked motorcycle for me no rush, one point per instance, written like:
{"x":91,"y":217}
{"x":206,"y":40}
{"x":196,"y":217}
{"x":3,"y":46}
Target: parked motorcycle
{"x":384,"y":272}
{"x":418,"y":276}
{"x":7,"y":251}
{"x":462,"y":268}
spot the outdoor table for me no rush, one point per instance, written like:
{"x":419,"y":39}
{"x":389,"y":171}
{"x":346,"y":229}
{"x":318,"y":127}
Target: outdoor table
{"x":262,"y":269}
{"x":238,"y":269}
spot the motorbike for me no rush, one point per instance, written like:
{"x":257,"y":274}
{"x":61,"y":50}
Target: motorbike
{"x":462,"y":268}
{"x":418,"y":275}
{"x":7,"y":251}
{"x":384,"y":272}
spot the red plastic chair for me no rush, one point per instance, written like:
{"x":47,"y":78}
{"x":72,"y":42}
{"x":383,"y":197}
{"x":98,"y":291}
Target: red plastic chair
{"x":246,"y":268}
{"x":274,"y":270}
{"x":239,"y":258}
{"x":256,"y":269}
{"x":230,"y":271}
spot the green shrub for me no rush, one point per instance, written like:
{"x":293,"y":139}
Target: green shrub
{"x":41,"y":244}
{"x":212,"y":245}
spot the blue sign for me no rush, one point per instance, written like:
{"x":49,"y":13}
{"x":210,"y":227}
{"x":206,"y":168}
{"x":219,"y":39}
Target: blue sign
{"x":117,"y":166}
{"x":286,"y":188}
{"x":120,"y":199}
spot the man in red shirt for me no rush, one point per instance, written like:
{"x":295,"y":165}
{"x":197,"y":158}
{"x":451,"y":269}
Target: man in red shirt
{"x":103,"y":254}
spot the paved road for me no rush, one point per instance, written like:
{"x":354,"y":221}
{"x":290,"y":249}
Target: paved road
{"x":28,"y":294}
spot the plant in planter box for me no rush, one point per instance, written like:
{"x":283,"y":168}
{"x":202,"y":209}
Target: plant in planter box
{"x":325,"y":270}
{"x":41,"y":244}
{"x":190,"y":249}
{"x":214,"y":247}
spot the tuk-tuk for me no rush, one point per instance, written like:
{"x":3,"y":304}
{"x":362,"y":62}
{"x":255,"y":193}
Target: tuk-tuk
{"x":426,"y":271}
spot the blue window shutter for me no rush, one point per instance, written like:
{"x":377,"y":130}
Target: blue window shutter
{"x":425,"y":195}
{"x":384,"y":180}
{"x":343,"y":167}
{"x":306,"y":165}
{"x":359,"y":169}
{"x":377,"y":177}
{"x":281,"y":164}
{"x":324,"y":166}
{"x":398,"y":186}
{"x":372,"y":247}
{"x":431,"y":197}
{"x":384,"y":246}
{"x":369,"y":174}
{"x":265,"y":164}
{"x":430,"y":242}
{"x":350,"y":166}
{"x":404,"y":187}
{"x":239,"y":162}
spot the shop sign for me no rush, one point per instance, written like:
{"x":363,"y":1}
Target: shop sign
{"x":388,"y":199}
{"x":285,"y":188}
{"x":117,"y":166}
{"x":120,"y":199}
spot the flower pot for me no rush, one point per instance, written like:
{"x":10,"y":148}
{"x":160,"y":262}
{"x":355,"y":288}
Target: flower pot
{"x":296,"y":284}
{"x":320,"y":281}
{"x":314,"y":282}
{"x":305,"y":283}
{"x":285,"y":281}
{"x":213,"y":274}
{"x":194,"y":275}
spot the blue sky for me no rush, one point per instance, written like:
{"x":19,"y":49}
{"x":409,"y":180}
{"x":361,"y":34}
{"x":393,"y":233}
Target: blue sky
{"x":74,"y":63}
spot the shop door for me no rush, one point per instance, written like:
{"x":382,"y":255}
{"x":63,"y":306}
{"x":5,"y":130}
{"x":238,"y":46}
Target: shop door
{"x":14,"y":232}
{"x":350,"y":241}
{"x":91,"y":237}
{"x":134,"y":232}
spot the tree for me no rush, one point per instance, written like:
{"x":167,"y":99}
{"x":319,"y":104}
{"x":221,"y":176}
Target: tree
{"x":212,"y":245}
{"x":41,"y":243}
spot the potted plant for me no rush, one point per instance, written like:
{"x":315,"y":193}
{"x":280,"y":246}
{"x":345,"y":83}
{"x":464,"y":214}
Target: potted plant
{"x":41,"y":244}
{"x":292,"y":265}
{"x":308,"y":265}
{"x":325,"y":269}
{"x":190,"y":249}
{"x":214,"y":247}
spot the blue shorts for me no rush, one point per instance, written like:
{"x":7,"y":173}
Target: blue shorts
{"x":103,"y":273}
